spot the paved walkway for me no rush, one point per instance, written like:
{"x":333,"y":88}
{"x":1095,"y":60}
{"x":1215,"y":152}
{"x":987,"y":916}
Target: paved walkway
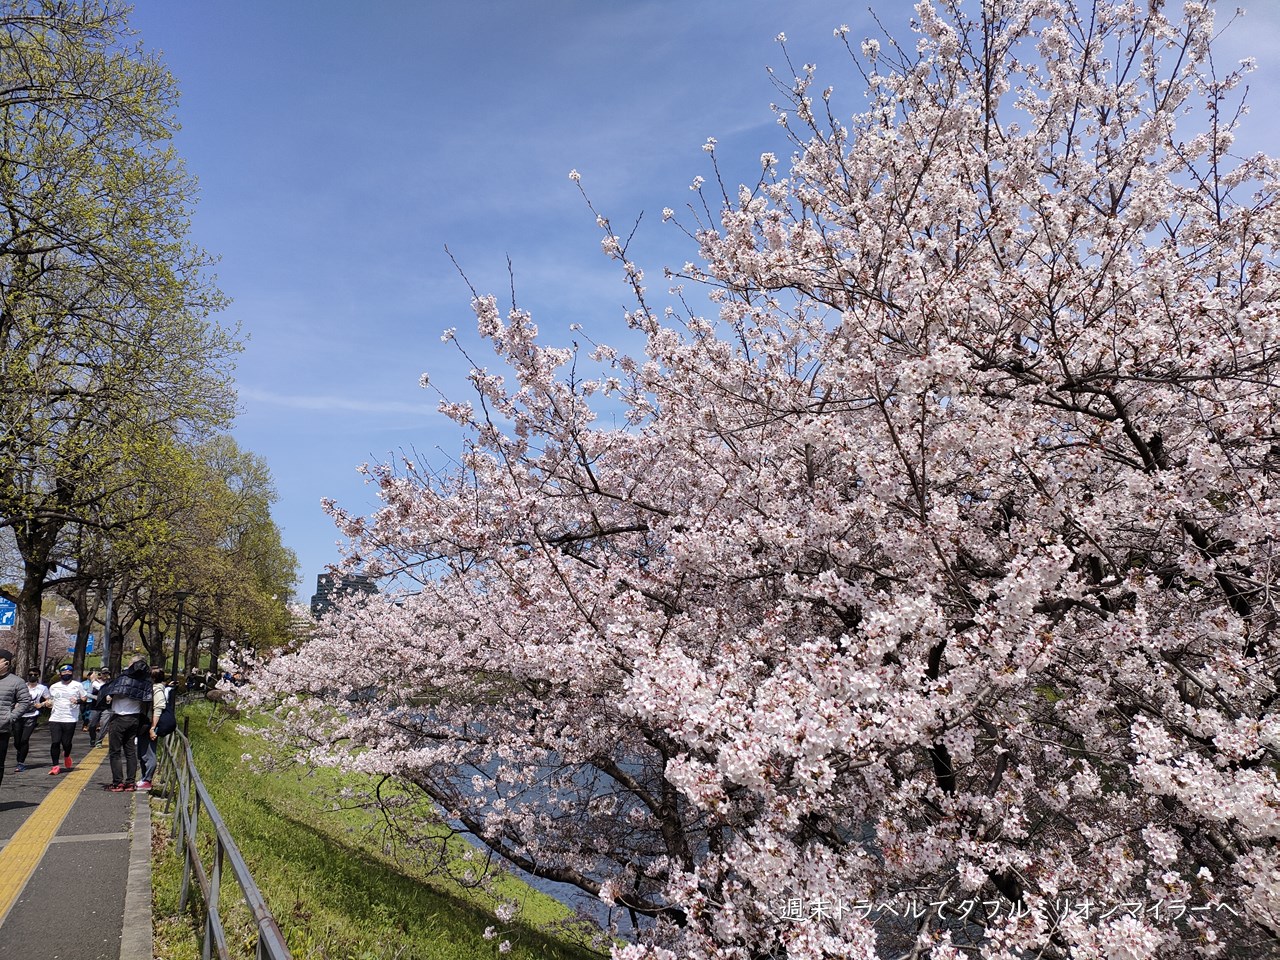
{"x":75,"y":865}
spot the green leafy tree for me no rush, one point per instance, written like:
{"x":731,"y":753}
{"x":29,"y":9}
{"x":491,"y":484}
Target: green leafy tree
{"x":243,"y":583}
{"x":113,"y":547}
{"x":209,"y":532}
{"x":106,"y":342}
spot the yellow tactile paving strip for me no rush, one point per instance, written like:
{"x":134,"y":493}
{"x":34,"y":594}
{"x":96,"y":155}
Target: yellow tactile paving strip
{"x":22,"y":854}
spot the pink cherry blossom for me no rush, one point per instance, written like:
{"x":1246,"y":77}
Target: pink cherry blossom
{"x":939,"y":567}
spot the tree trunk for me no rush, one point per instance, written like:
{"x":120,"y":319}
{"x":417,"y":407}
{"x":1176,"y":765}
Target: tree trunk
{"x":114,"y":654}
{"x":85,"y":612}
{"x":154,"y":644}
{"x":215,"y":650}
{"x":191,"y":656}
{"x":30,"y":599}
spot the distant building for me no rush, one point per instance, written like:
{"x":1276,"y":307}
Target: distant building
{"x":329,"y":587}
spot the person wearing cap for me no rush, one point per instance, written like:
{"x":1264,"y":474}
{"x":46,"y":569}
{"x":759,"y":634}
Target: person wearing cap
{"x":25,"y":725}
{"x":129,"y":695}
{"x":64,"y":700}
{"x":14,"y":702}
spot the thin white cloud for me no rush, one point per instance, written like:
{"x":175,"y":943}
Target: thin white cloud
{"x":332,"y":404}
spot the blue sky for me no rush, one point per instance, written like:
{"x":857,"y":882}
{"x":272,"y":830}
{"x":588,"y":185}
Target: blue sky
{"x":340,"y":147}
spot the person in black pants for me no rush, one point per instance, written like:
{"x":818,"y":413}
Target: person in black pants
{"x":98,"y":717}
{"x":129,"y":696}
{"x":64,"y":699}
{"x":25,"y":726}
{"x":14,"y":701}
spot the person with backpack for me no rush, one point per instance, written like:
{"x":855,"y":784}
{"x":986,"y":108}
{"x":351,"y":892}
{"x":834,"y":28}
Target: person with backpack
{"x":129,"y":699}
{"x":152,"y":727}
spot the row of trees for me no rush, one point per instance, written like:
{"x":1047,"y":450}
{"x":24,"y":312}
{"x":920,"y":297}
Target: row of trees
{"x":115,"y":380}
{"x":923,"y":603}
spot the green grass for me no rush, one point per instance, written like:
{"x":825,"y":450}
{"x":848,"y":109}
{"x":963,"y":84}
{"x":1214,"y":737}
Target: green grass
{"x":337,"y":889}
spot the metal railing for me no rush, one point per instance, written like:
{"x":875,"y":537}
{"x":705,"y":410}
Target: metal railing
{"x":177,"y":770}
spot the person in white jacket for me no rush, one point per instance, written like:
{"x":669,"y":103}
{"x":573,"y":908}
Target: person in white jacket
{"x":25,"y":725}
{"x":64,"y":699}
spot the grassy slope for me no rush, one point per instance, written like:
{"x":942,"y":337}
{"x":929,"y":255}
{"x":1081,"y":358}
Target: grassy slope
{"x":335,"y":893}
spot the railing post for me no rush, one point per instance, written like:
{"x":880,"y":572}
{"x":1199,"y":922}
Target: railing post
{"x":213,"y":917}
{"x":190,"y":826}
{"x":185,"y":789}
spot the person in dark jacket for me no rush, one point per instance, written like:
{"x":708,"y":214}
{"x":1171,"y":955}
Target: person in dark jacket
{"x":15,"y":700}
{"x":97,"y":717}
{"x":129,"y":699}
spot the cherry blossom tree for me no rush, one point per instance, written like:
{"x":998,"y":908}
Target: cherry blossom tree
{"x":921,"y":602}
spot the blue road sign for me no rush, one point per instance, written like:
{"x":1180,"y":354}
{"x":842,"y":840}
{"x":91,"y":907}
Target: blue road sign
{"x":8,"y":612}
{"x":88,"y":647}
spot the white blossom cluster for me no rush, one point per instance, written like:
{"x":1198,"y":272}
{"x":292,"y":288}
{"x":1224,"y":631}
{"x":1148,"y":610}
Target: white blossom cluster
{"x":941,"y":565}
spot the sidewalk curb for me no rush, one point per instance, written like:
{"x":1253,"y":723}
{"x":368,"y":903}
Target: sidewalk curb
{"x":135,"y":940}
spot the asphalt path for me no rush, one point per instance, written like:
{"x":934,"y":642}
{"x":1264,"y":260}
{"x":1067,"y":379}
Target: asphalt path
{"x":73,"y":883}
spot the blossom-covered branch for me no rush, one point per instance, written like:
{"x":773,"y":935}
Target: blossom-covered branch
{"x":940,"y":565}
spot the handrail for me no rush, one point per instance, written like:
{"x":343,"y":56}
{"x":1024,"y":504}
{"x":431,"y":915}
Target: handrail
{"x":177,"y":769}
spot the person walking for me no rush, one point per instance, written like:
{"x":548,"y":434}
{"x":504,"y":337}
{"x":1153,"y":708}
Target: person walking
{"x":97,"y":716}
{"x":25,"y":726}
{"x":128,"y":695}
{"x":14,"y":701}
{"x":90,"y":694}
{"x":64,"y":699}
{"x":160,"y":695}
